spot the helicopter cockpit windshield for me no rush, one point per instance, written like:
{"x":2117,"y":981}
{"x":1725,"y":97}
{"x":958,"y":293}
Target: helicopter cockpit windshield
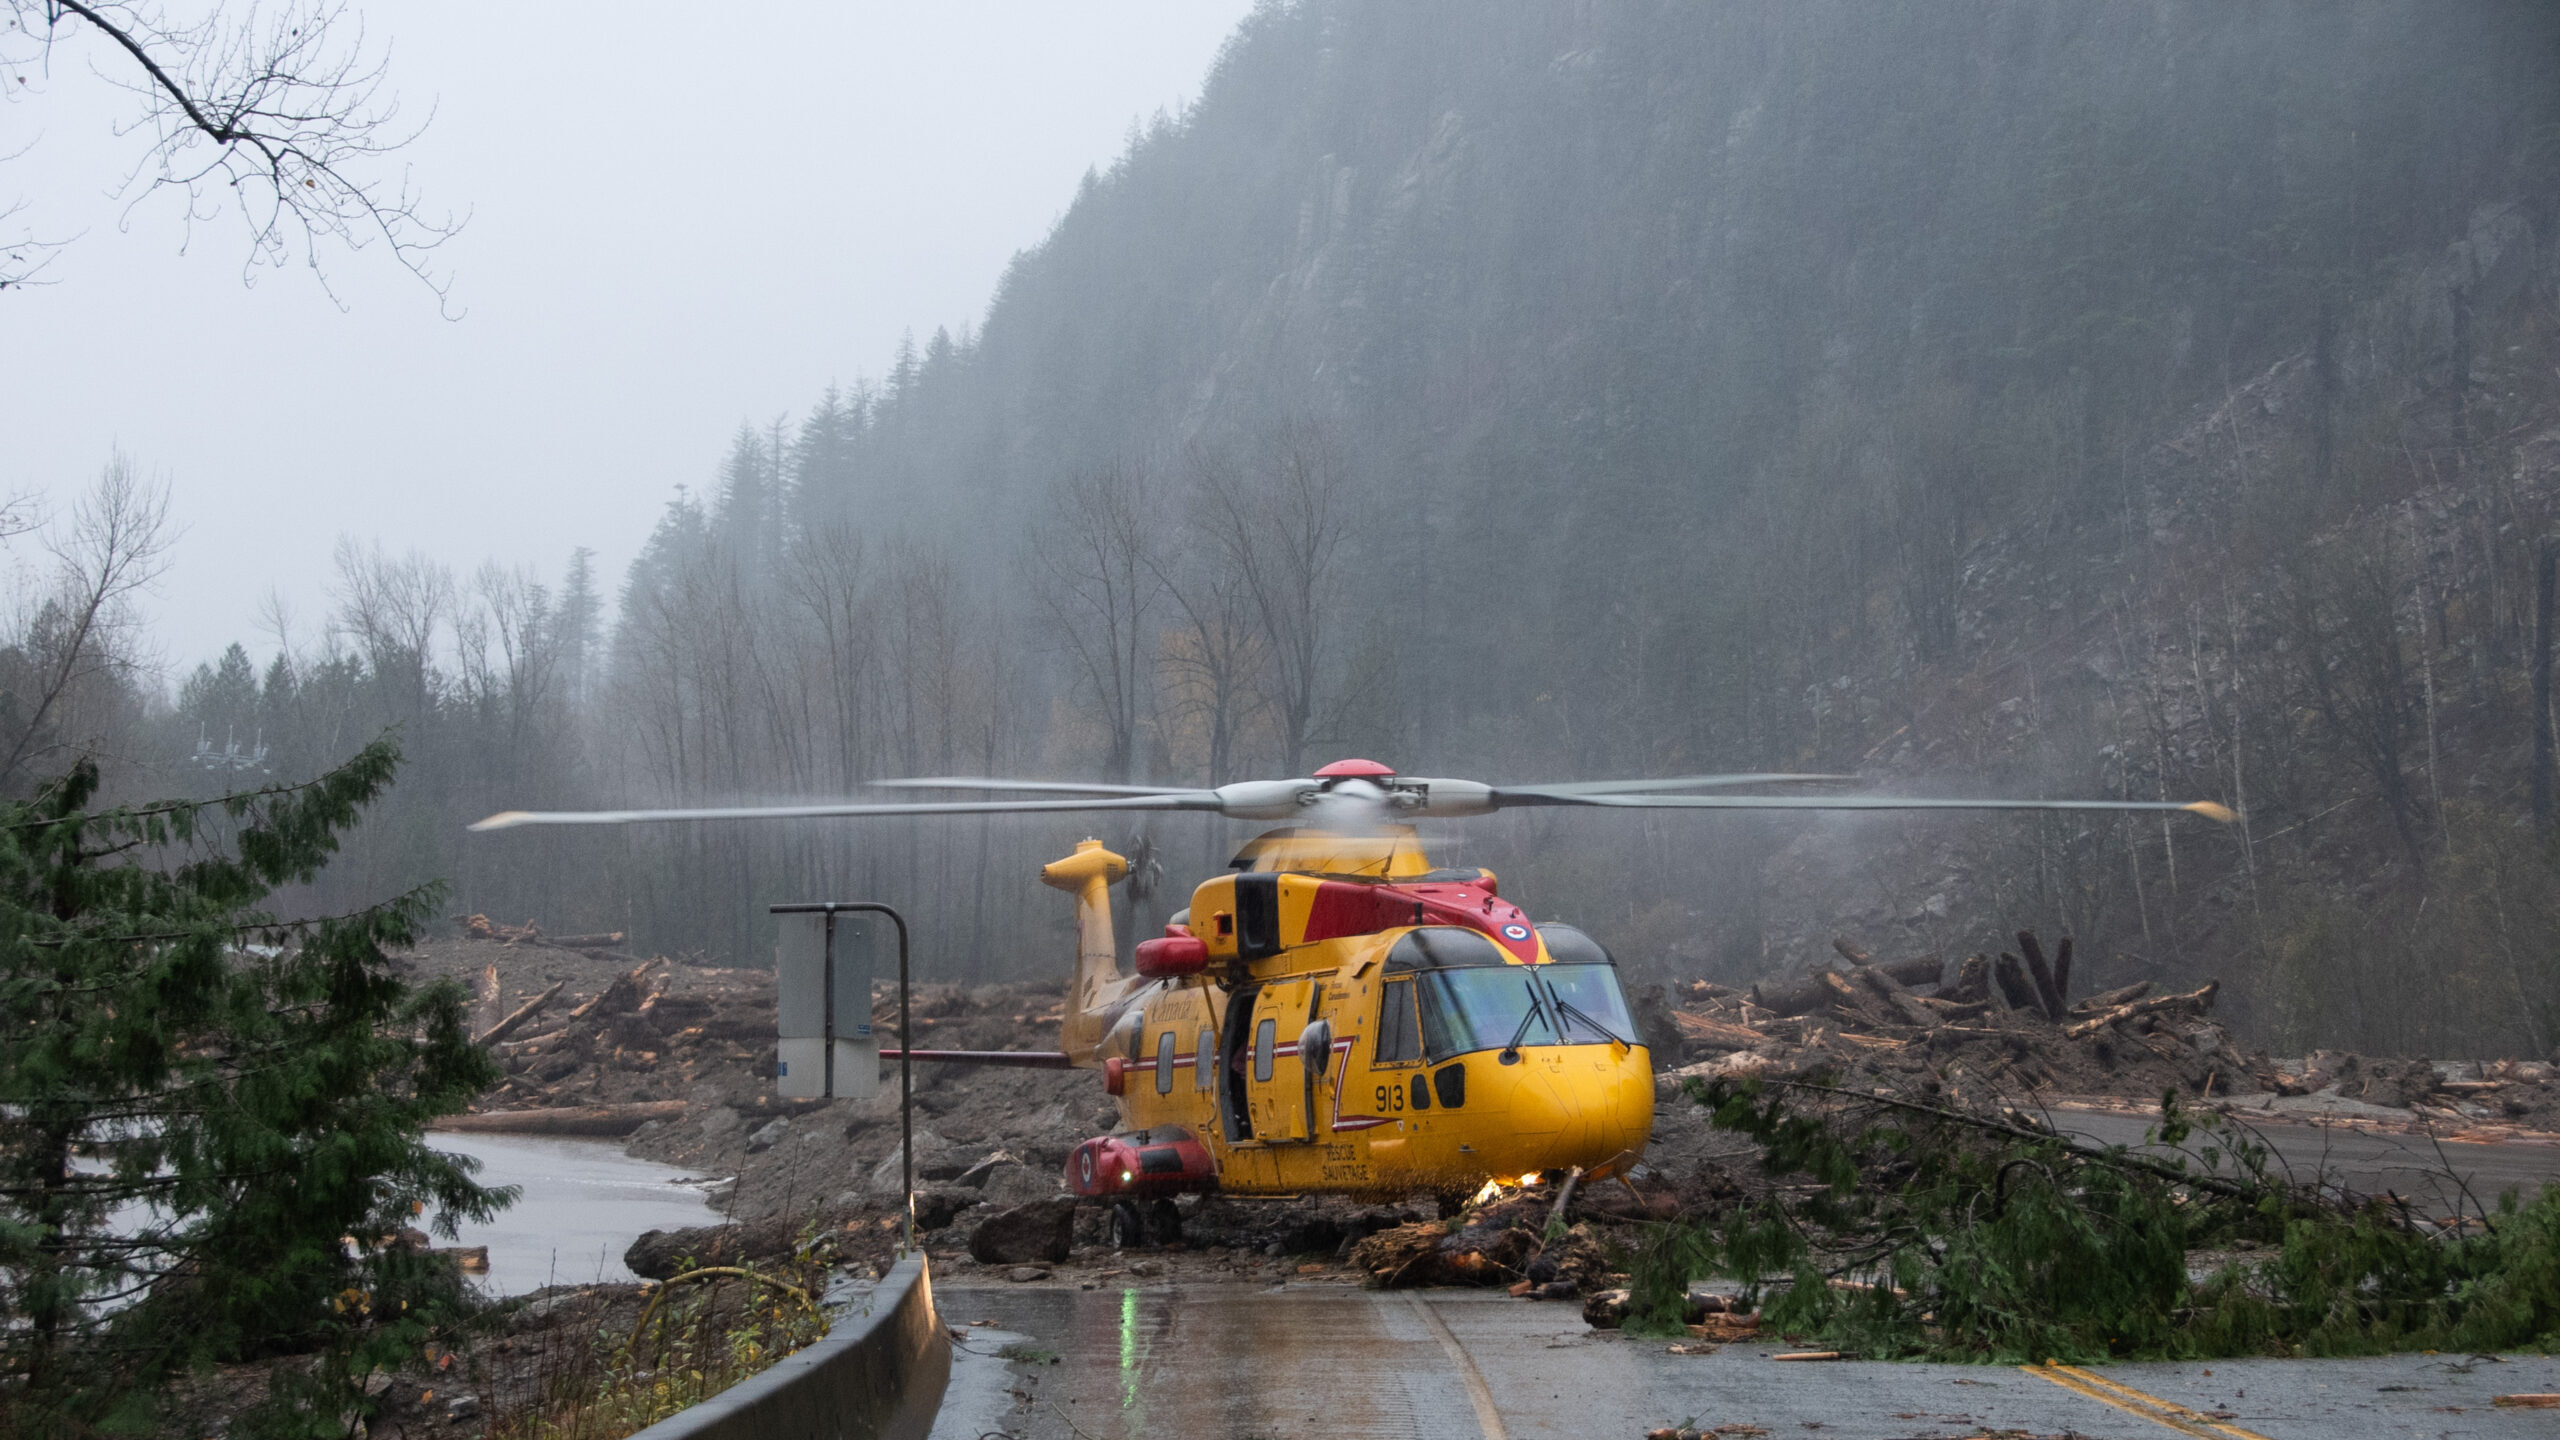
{"x":1472,"y":1000}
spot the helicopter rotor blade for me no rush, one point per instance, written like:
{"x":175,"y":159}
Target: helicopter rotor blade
{"x":1567,"y":791}
{"x":1352,"y":805}
{"x":1166,"y":800}
{"x":2207,"y":808}
{"x":1058,"y":787}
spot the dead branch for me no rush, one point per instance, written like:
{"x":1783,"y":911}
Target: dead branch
{"x":281,"y":113}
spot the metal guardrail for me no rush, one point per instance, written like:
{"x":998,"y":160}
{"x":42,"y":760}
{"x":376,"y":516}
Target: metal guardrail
{"x":878,"y":1375}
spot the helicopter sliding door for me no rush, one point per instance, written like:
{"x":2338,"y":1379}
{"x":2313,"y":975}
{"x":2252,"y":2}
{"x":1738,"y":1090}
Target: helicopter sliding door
{"x":1275,"y":1074}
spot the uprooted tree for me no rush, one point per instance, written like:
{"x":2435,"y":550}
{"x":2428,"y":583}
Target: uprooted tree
{"x":1901,"y":1228}
{"x":212,"y":1119}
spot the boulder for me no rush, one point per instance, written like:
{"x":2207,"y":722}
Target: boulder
{"x":936,"y":1159}
{"x":937,"y":1207}
{"x":660,"y":1254}
{"x":1041,"y":1232}
{"x":1021,"y":1184}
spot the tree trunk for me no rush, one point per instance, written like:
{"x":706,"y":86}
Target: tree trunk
{"x":2048,"y":994}
{"x":2014,"y":985}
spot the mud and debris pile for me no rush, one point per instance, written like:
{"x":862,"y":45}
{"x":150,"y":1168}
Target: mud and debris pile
{"x":1988,"y":1032}
{"x":1999,"y":1032}
{"x":677,"y":1059}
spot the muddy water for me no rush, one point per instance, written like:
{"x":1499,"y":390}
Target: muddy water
{"x":584,"y":1202}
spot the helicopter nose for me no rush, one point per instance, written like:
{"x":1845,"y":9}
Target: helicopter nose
{"x":1609,"y":1108}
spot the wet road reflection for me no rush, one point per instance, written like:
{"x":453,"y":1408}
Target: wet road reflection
{"x":1213,"y":1360}
{"x":1236,"y":1361}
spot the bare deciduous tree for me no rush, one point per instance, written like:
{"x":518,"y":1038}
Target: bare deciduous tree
{"x":2351,"y":662}
{"x":73,"y":640}
{"x":1280,"y":527}
{"x":1103,"y":581}
{"x":394,"y":610}
{"x":826,"y":573}
{"x":281,"y":114}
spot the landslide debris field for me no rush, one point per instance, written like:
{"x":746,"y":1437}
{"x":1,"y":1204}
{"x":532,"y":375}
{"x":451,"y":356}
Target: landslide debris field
{"x":675,"y":1060}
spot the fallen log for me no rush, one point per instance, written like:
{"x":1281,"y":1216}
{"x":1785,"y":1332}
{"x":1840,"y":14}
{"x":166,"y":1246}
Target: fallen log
{"x":622,"y":993}
{"x":1922,"y":971}
{"x":515,"y":1022}
{"x":1953,"y":1009}
{"x":1798,"y":997}
{"x":563,"y":1120}
{"x":1791,"y":997}
{"x":1849,"y":952}
{"x":1852,"y":998}
{"x":1701,"y":1030}
{"x":1896,"y":1000}
{"x":2199,"y":999}
{"x":2110,"y":999}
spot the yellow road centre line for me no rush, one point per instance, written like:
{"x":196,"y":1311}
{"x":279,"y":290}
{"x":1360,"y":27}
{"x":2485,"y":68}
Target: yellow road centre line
{"x":2150,"y":1407}
{"x":1488,"y":1419}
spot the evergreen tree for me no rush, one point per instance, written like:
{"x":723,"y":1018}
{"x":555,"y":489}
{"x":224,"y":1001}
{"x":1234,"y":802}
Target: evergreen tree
{"x":211,"y":1119}
{"x":581,"y":619}
{"x":222,"y":698}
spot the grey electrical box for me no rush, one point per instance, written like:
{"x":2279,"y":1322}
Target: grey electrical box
{"x":822,"y":995}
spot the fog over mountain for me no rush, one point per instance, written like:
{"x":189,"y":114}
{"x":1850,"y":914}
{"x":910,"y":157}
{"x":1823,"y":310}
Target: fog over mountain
{"x":2140,"y":401}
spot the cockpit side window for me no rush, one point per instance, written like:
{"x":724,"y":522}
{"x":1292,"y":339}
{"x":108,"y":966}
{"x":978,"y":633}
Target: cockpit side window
{"x":1399,"y":1034}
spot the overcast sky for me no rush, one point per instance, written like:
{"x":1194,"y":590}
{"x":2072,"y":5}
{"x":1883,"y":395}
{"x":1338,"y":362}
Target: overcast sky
{"x":680,"y":218}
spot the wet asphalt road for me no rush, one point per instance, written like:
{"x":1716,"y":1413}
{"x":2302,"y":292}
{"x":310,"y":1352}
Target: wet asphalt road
{"x":1193,"y":1358}
{"x":1331,"y":1360}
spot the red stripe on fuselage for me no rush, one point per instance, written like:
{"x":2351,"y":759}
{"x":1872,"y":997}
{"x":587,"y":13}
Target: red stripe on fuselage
{"x":1343,"y":908}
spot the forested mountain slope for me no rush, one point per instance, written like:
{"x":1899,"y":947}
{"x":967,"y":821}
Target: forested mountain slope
{"x":2099,"y":399}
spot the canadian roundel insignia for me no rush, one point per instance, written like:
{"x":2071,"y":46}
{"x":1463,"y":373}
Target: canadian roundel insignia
{"x":1515,"y":932}
{"x":1087,"y":1166}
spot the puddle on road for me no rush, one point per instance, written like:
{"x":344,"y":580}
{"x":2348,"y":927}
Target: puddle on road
{"x":584,"y":1202}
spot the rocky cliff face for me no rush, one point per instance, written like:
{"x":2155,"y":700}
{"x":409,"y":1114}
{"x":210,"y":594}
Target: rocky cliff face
{"x":2117,"y":401}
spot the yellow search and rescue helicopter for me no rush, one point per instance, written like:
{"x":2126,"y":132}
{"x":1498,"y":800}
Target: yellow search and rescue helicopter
{"x":1337,"y":1015}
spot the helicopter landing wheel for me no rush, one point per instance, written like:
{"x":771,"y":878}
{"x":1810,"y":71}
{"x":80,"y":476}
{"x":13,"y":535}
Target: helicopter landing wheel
{"x":1127,"y":1229}
{"x":1164,"y":1222}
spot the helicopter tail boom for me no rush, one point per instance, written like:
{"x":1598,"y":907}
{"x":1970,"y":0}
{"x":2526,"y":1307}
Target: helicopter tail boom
{"x":1095,"y":992}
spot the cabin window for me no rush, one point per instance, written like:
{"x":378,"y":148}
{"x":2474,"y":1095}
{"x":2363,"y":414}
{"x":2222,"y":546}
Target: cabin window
{"x":1164,"y":1063}
{"x":1265,"y":1037}
{"x":1569,"y":946}
{"x":1481,"y":1009}
{"x":1204,"y":1066}
{"x":1439,"y":946}
{"x":1399,"y":1030}
{"x":1588,"y":1004}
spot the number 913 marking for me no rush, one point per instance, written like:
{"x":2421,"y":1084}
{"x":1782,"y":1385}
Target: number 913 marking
{"x":1390,"y":1099}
